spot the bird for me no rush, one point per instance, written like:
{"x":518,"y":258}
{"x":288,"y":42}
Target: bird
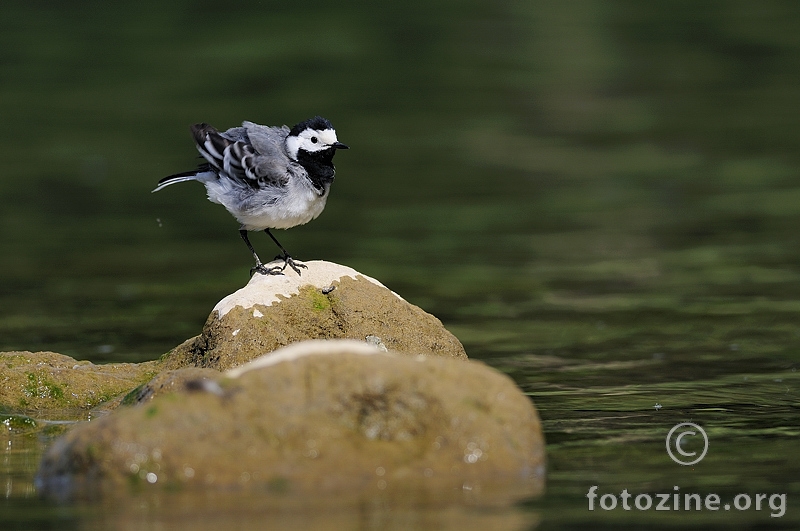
{"x":266,"y":177}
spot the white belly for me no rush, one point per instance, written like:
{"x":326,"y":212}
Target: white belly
{"x":269,"y":208}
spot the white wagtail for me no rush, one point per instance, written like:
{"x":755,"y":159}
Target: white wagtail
{"x":266,"y":177}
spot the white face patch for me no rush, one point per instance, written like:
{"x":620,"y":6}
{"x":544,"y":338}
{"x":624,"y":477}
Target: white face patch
{"x":310,"y":140}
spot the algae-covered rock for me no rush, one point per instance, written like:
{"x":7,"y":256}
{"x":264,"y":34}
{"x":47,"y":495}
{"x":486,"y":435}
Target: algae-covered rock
{"x":47,"y":380}
{"x":173,"y":381}
{"x":316,"y":417}
{"x":328,"y":301}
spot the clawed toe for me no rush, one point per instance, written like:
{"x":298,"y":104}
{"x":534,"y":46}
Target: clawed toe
{"x":294,"y":265}
{"x":278,"y":270}
{"x":289,"y":261}
{"x":264,"y":270}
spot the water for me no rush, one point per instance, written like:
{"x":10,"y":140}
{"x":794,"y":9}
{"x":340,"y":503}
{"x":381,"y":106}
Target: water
{"x":599,"y":198}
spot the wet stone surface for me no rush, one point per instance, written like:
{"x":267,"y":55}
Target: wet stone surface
{"x":315,"y":421}
{"x":35,"y":381}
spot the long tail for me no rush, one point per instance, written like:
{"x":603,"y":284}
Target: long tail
{"x":182,"y":177}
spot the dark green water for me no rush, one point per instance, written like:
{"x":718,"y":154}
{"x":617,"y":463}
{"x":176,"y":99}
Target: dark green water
{"x":600,"y":198}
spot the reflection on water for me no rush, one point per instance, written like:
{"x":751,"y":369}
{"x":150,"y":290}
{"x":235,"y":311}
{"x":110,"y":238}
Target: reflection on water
{"x":475,"y":506}
{"x":599,"y":198}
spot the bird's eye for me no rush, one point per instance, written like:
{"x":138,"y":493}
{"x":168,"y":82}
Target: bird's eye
{"x":313,"y":140}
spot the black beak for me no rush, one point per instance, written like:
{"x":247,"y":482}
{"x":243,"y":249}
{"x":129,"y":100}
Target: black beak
{"x":339,"y":145}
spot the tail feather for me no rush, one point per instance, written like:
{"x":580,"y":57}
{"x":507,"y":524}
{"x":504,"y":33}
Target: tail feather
{"x":182,"y":177}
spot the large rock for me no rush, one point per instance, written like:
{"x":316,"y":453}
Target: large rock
{"x":317,"y":417}
{"x":50,"y":381}
{"x":329,"y":301}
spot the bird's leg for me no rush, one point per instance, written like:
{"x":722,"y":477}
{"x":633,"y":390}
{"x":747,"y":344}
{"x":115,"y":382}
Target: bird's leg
{"x":259,"y":267}
{"x":287,"y":260}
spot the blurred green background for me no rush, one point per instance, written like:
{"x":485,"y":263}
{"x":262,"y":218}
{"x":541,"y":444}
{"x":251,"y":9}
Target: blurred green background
{"x":600,"y":198}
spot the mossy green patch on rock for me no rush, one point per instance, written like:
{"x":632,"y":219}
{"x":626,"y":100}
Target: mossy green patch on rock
{"x":38,"y":385}
{"x":18,"y":422}
{"x":47,"y":380}
{"x":319,"y":301}
{"x":327,"y":302}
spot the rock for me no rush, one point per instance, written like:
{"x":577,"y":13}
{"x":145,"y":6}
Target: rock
{"x":173,"y":381}
{"x":321,"y":417}
{"x":328,"y":301}
{"x":46,"y":380}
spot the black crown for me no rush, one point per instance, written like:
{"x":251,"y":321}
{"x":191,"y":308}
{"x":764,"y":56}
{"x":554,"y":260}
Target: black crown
{"x":317,"y":123}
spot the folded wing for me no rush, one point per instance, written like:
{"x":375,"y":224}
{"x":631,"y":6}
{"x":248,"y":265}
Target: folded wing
{"x":234,"y":154}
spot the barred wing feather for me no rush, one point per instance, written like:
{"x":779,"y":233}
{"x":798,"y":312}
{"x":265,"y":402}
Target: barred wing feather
{"x":239,"y":159}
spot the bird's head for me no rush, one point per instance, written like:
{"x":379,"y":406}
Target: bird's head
{"x":314,"y":136}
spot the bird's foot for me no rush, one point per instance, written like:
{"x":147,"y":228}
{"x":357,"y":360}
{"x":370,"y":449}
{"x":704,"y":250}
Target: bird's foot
{"x":289,"y":261}
{"x":264,"y":270}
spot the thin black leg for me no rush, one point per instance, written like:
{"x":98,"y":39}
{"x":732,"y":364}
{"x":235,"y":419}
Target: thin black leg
{"x":259,"y":267}
{"x":287,"y":260}
{"x":243,"y":234}
{"x":277,"y":242}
